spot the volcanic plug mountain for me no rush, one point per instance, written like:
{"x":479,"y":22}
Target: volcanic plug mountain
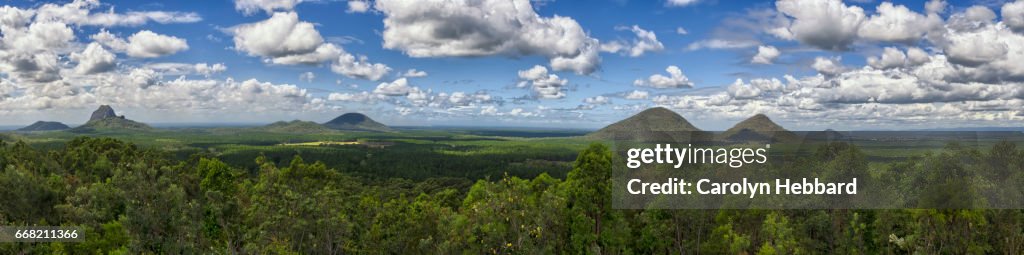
{"x":758,"y":127}
{"x":653,"y":124}
{"x":104,"y":118}
{"x":356,"y":122}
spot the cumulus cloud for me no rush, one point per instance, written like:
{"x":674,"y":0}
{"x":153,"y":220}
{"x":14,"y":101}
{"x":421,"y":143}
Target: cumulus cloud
{"x":208,"y":70}
{"x":249,"y":7}
{"x":324,"y":52}
{"x":765,"y":55}
{"x":177,"y":69}
{"x":681,"y":31}
{"x":597,"y":100}
{"x":47,"y":68}
{"x":645,"y":41}
{"x":138,"y":89}
{"x":358,"y":97}
{"x":142,"y":44}
{"x":1013,"y":15}
{"x":977,"y":47}
{"x":111,"y":41}
{"x":94,"y":59}
{"x":904,"y":86}
{"x":146,"y":44}
{"x":895,"y":58}
{"x":280,"y":35}
{"x":399,"y":87}
{"x":935,"y":6}
{"x":29,"y":53}
{"x":828,"y":66}
{"x":41,"y":67}
{"x":826,"y":24}
{"x":413,"y":73}
{"x":79,"y":12}
{"x":358,"y":6}
{"x":544,"y":85}
{"x":897,"y":23}
{"x":676,"y":79}
{"x":444,"y":28}
{"x":285,"y":40}
{"x":636,"y":95}
{"x":39,"y":36}
{"x":360,"y":68}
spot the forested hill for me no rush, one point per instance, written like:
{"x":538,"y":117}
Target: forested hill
{"x":132,"y":200}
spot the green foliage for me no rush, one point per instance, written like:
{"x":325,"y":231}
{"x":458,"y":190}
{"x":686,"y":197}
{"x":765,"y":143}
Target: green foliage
{"x":141,"y":200}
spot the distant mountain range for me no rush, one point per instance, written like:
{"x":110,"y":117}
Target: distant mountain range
{"x":105,"y":118}
{"x":346,"y":122}
{"x":653,"y":124}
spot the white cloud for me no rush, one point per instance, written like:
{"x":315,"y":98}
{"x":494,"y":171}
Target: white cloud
{"x":977,"y":47}
{"x":917,"y":56}
{"x":143,"y":77}
{"x":676,"y":79}
{"x":1013,"y":15}
{"x":399,"y":87}
{"x":208,"y":70}
{"x":739,"y":90}
{"x":79,"y":12}
{"x":177,"y":69}
{"x":94,"y":59}
{"x":637,"y":95}
{"x":113,"y":42}
{"x":681,"y":31}
{"x":40,"y":67}
{"x":413,"y":73}
{"x":39,"y":36}
{"x":285,"y":40}
{"x":897,"y":23}
{"x":765,"y":55}
{"x":146,"y":44}
{"x":358,"y":6}
{"x":307,"y":77}
{"x":280,"y":35}
{"x":30,"y":53}
{"x":721,"y":44}
{"x":597,"y":100}
{"x":826,"y":24}
{"x":351,"y":67}
{"x":979,"y":13}
{"x":891,"y":58}
{"x":645,"y":41}
{"x":680,"y":3}
{"x":544,"y":85}
{"x":360,"y":97}
{"x":249,"y":7}
{"x":324,"y":52}
{"x":828,"y":66}
{"x":935,"y":6}
{"x":444,"y":28}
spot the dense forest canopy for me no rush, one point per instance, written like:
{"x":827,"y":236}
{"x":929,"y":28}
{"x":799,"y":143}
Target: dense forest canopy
{"x":138,"y":200}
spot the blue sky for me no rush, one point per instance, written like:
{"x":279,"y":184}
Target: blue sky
{"x":808,"y":64}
